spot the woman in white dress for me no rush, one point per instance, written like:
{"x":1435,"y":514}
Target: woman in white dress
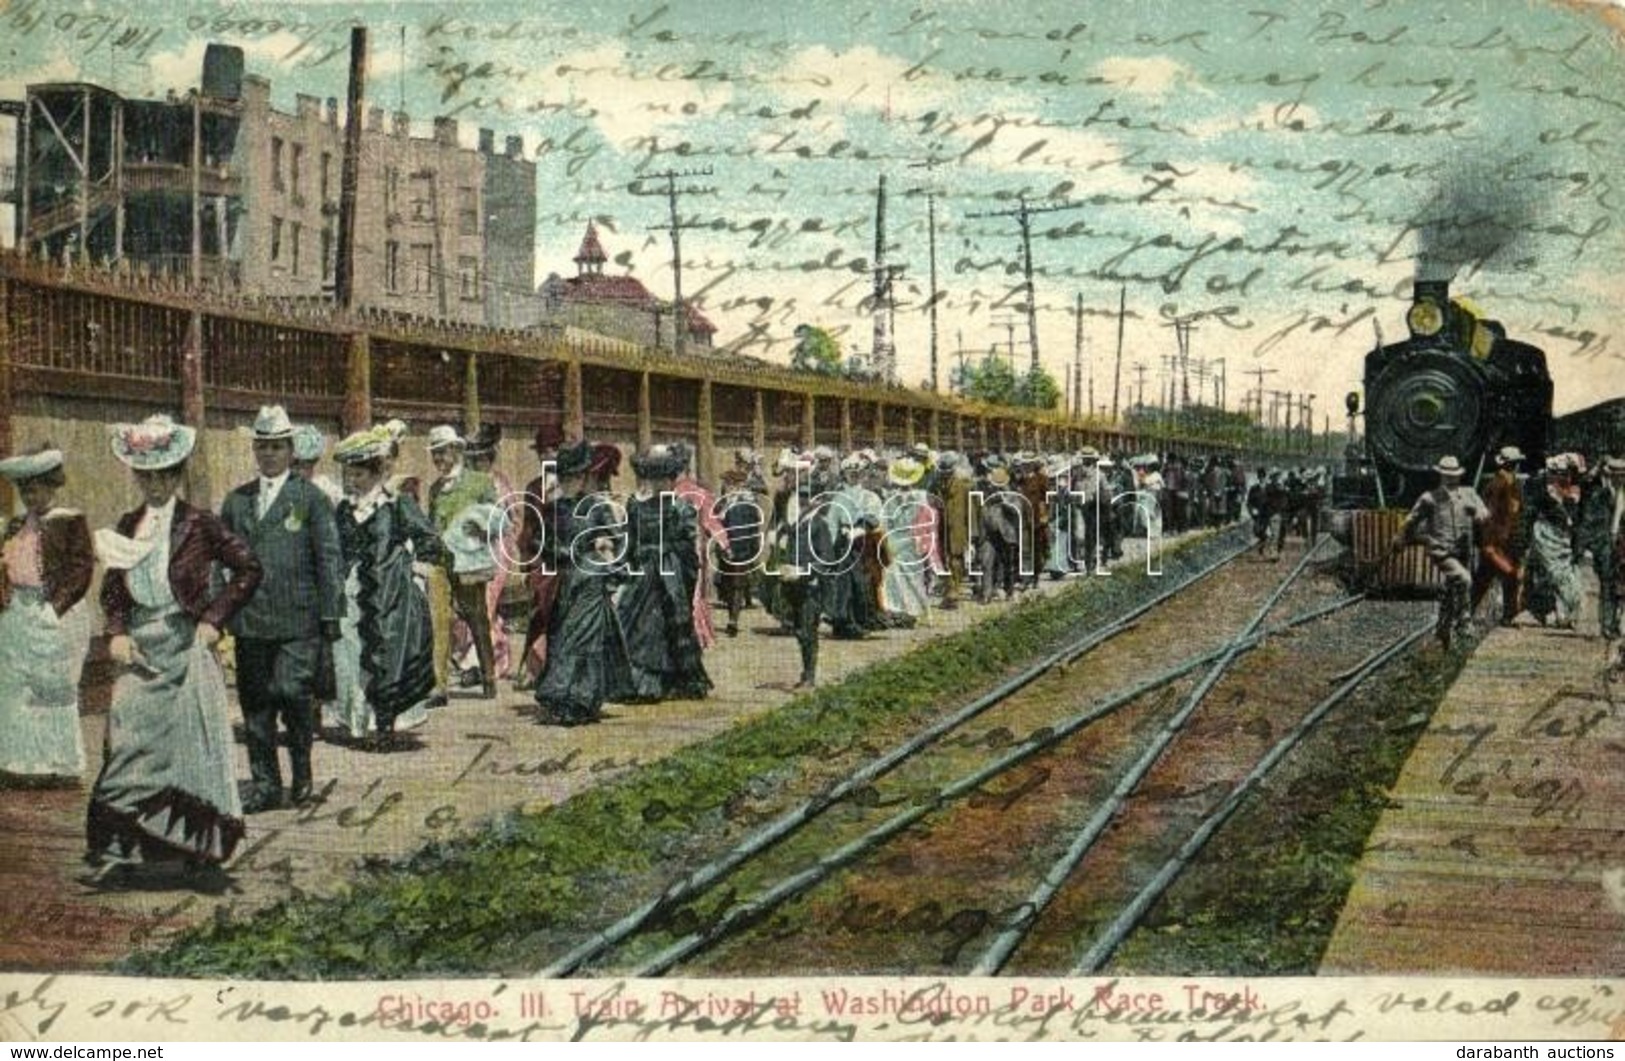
{"x":910,"y":528}
{"x":46,"y":564}
{"x":167,"y":791}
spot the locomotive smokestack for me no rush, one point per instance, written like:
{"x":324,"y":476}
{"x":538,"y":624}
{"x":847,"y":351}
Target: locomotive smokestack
{"x":1436,"y":291}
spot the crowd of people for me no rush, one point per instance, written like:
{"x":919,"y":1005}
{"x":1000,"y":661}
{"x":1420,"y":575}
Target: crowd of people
{"x":1526,"y":533}
{"x":351,"y":609}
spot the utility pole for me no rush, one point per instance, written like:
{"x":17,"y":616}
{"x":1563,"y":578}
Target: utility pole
{"x":1077,"y":364}
{"x":1139,"y":376}
{"x":930,"y":163}
{"x":679,"y":319}
{"x":1259,"y":374}
{"x":1117,"y":371}
{"x":350,"y":171}
{"x":1023,"y":215}
{"x":885,"y":351}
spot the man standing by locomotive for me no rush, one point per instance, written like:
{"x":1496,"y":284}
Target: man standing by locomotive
{"x":1445,"y":520}
{"x":1501,"y":548}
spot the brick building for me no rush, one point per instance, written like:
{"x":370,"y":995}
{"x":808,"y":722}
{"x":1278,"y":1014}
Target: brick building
{"x":221,"y":186}
{"x":618,"y":306}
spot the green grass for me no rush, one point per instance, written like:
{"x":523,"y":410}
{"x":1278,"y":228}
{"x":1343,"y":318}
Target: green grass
{"x":529,"y":885}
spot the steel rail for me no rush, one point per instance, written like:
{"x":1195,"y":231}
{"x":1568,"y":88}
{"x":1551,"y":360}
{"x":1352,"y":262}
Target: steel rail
{"x":1005,"y":943}
{"x":1041,"y":740}
{"x":1102,"y":948}
{"x":790,"y":821}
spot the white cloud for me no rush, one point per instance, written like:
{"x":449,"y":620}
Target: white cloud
{"x":629,"y":107}
{"x":183,"y":69}
{"x":1153,"y":75}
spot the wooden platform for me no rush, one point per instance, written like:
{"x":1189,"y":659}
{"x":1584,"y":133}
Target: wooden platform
{"x":1504,"y":849}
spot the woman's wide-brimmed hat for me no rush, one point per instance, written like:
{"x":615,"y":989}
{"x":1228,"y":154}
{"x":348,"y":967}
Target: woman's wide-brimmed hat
{"x":483,"y":442}
{"x":154,"y":444}
{"x":605,"y":462}
{"x":905,"y":471}
{"x":575,"y":458}
{"x":657,"y":462}
{"x":27,"y":466}
{"x":999,"y":476}
{"x":308,"y":443}
{"x":375,"y":443}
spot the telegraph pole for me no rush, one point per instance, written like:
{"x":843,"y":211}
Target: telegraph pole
{"x":929,"y":164}
{"x":1259,"y":374}
{"x":1023,"y":215}
{"x":1139,"y":376}
{"x":1117,"y":371}
{"x":1077,"y":364}
{"x":350,"y":170}
{"x":679,"y":322}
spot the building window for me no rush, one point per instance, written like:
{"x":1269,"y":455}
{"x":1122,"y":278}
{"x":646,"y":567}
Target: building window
{"x":327,"y":177}
{"x":327,"y":255}
{"x":276,"y":239}
{"x":276,"y":163}
{"x":422,"y":195}
{"x":293,"y":244}
{"x":294,"y":161}
{"x":392,"y":265}
{"x":468,"y":277}
{"x":392,"y":190}
{"x":468,"y":212}
{"x":422,"y":278}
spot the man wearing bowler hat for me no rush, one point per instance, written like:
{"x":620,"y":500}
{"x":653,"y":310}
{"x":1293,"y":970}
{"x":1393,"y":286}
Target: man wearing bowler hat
{"x":288,"y":522}
{"x":1446,"y":519}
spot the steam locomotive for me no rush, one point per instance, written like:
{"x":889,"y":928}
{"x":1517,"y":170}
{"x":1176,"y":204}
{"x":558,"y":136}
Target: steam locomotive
{"x":1457,"y":386}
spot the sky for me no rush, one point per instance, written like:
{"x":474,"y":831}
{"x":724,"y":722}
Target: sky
{"x":1275,"y":172}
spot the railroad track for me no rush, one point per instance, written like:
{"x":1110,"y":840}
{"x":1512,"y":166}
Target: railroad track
{"x":940,"y":773}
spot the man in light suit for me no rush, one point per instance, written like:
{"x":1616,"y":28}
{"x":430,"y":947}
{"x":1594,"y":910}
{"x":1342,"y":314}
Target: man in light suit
{"x":288,"y":522}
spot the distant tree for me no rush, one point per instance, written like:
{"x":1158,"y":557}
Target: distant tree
{"x":816,"y":351}
{"x":992,"y":381}
{"x":1038,"y":390}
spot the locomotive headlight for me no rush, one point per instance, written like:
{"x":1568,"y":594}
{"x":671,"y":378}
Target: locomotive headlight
{"x":1425,"y":318}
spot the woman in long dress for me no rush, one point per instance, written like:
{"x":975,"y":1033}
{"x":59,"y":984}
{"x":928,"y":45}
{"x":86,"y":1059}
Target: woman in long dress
{"x":586,"y":653}
{"x":45,"y":568}
{"x":910,"y":529}
{"x":384,"y":660}
{"x":656,"y":609}
{"x":166,"y":790}
{"x":1554,"y":580}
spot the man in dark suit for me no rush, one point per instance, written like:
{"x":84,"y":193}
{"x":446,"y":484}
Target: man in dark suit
{"x":288,"y":522}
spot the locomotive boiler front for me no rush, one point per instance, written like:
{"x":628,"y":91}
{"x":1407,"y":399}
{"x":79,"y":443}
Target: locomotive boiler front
{"x":1458,"y":387}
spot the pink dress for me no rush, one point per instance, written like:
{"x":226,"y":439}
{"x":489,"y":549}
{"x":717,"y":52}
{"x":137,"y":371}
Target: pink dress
{"x":712,"y":531}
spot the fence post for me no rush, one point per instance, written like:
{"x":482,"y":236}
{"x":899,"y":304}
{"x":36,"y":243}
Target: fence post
{"x":471,"y":393}
{"x":936,"y":429}
{"x":646,"y":427}
{"x":357,"y":381}
{"x":758,"y":424}
{"x":880,"y":425}
{"x":846,"y":425}
{"x":809,"y":421}
{"x":195,"y":413}
{"x":705,"y":456}
{"x":575,"y":416}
